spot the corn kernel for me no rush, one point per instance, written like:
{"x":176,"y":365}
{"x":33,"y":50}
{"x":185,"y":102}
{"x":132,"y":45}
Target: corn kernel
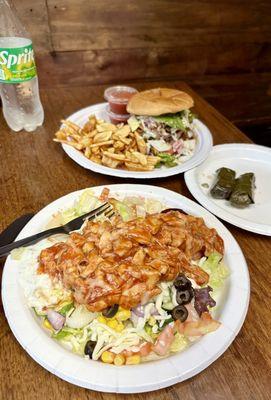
{"x":102,"y":319}
{"x":113,"y":323}
{"x":119,"y":360}
{"x":122,"y":314}
{"x":47,"y":324}
{"x":108,"y":357}
{"x":120,"y":327}
{"x":135,"y":359}
{"x":151,"y":321}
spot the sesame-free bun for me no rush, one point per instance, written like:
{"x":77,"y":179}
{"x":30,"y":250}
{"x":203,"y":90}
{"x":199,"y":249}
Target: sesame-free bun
{"x":159,"y":101}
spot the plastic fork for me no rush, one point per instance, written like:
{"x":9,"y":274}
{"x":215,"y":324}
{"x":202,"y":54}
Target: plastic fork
{"x":105,"y":209}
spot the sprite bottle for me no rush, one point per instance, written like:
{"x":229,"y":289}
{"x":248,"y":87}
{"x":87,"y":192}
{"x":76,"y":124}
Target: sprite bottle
{"x":19,"y":88}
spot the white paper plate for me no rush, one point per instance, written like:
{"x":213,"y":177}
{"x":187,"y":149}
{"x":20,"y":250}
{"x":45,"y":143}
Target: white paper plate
{"x":242,"y":158}
{"x":231,"y":311}
{"x":204,"y":146}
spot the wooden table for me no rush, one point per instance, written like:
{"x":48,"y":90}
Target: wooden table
{"x":36,"y":171}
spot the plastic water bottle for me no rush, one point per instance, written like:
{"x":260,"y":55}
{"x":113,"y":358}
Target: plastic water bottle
{"x":19,"y":88}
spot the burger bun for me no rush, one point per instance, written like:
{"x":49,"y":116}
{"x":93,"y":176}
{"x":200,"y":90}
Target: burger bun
{"x":159,"y":101}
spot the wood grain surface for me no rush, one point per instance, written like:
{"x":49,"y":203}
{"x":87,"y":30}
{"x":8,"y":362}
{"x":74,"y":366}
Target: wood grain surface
{"x":35,"y":171}
{"x":227,"y":42}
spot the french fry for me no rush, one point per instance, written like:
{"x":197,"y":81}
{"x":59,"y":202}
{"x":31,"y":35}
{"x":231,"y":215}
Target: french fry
{"x":123,"y":140}
{"x":107,"y":127}
{"x":124,"y":131}
{"x":72,"y":126}
{"x":141,"y":144}
{"x":153,"y":160}
{"x":102,"y":136}
{"x":87,"y":152}
{"x":109,"y":162}
{"x":91,"y":134}
{"x":114,"y":146}
{"x":119,"y":145}
{"x":60,"y":135}
{"x":107,"y":142}
{"x":96,"y":159}
{"x":73,"y":144}
{"x":85,"y":141}
{"x":140,"y":157}
{"x":137,"y":167}
{"x":114,"y":156}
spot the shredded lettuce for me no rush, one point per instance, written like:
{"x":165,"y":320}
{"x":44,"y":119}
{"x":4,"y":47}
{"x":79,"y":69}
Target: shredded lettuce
{"x":80,"y":317}
{"x":85,"y":203}
{"x":16,"y":254}
{"x":153,"y":206}
{"x":179,"y":343}
{"x":61,"y":335}
{"x":176,"y":121}
{"x":165,"y":323}
{"x":217,"y":271}
{"x":123,"y":209}
{"x":133,"y":123}
{"x":66,"y":308}
{"x":166,"y":159}
{"x":38,"y":312}
{"x":148,"y":329}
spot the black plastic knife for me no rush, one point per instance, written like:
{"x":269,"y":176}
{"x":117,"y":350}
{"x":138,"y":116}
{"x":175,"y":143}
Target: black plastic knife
{"x":11,"y":232}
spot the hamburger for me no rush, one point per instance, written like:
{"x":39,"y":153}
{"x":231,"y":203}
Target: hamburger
{"x":163,"y":117}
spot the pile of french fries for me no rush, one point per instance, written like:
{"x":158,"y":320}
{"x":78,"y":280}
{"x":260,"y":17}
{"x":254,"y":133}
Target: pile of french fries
{"x":114,"y":146}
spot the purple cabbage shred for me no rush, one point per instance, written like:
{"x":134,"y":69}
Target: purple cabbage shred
{"x":203,"y":299}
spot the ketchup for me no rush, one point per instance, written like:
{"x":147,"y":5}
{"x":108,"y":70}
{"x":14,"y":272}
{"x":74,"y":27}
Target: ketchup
{"x":116,"y":118}
{"x":118,"y":98}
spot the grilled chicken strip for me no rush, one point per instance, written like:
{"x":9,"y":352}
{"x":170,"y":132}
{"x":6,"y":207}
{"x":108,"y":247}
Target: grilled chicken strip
{"x":116,"y":262}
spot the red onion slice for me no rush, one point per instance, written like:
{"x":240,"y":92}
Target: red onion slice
{"x":56,"y":320}
{"x":138,"y":311}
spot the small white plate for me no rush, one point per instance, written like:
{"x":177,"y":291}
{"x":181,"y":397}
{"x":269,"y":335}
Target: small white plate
{"x":203,"y":148}
{"x":241,"y":158}
{"x":231,"y":311}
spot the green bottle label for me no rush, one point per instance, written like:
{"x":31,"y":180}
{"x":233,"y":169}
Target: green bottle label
{"x":17,"y":64}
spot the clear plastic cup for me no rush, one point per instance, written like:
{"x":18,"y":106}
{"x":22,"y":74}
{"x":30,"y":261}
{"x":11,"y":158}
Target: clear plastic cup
{"x":118,"y":98}
{"x":116,"y":118}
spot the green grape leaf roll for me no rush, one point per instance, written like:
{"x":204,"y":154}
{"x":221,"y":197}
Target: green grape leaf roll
{"x":243,"y":192}
{"x":224,"y":183}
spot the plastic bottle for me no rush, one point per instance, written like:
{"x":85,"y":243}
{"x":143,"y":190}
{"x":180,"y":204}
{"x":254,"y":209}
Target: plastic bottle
{"x":19,"y":88}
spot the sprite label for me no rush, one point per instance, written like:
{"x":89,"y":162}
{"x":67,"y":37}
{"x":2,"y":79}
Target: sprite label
{"x":17,"y":64}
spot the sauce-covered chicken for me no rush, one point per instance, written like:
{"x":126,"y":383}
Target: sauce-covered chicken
{"x":116,"y":262}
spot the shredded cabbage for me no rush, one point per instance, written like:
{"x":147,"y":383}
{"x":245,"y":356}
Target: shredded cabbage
{"x":123,"y":209}
{"x":86,"y":202}
{"x":217,"y":271}
{"x":153,"y":206}
{"x":82,"y":325}
{"x":17,"y":254}
{"x":80,"y":317}
{"x":179,"y":343}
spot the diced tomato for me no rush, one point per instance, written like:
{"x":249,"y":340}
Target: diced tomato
{"x":131,"y":351}
{"x":192,"y":313}
{"x":145,"y":349}
{"x":205,"y":324}
{"x":104,"y":195}
{"x":179,"y":326}
{"x":164,"y":340}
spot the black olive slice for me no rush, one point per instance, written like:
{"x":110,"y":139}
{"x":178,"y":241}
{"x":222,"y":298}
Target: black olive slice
{"x":181,"y":282}
{"x":89,"y":348}
{"x":179,"y":313}
{"x":184,"y":296}
{"x":111,"y":311}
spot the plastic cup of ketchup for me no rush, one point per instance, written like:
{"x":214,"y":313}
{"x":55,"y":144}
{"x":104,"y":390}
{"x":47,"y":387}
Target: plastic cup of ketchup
{"x":116,"y":118}
{"x":118,"y":98}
